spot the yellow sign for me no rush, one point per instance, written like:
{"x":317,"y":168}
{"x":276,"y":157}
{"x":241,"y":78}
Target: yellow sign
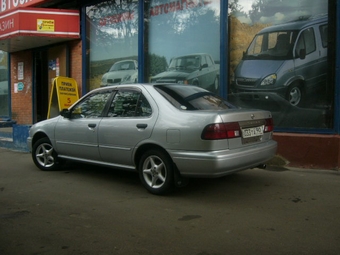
{"x":64,"y":93}
{"x":45,"y":25}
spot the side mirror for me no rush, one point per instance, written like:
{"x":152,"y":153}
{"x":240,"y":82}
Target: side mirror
{"x":204,"y":66}
{"x":302,"y":54}
{"x":65,"y":113}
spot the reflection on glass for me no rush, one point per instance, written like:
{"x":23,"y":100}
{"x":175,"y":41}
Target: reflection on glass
{"x":4,"y":86}
{"x":279,"y":61}
{"x":112,"y":37}
{"x":183,"y":39}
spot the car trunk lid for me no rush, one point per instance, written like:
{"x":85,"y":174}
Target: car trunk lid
{"x":255,"y":126}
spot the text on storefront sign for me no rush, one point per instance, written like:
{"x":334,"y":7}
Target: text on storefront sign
{"x":7,"y":24}
{"x":176,"y":6}
{"x":6,"y":5}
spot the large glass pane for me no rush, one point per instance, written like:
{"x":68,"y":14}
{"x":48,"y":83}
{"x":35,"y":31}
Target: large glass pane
{"x":279,"y":60}
{"x":4,"y":92}
{"x":112,"y":41}
{"x":183,"y":42}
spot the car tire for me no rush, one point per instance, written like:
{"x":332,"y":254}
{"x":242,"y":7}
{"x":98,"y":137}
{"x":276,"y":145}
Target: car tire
{"x":156,"y":172}
{"x":295,"y":94}
{"x":44,"y":156}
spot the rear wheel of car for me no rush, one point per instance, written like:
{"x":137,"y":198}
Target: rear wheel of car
{"x":295,"y":94}
{"x":156,"y":172}
{"x":44,"y":155}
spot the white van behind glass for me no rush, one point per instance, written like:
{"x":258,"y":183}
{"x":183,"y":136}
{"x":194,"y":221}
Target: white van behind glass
{"x":289,"y":59}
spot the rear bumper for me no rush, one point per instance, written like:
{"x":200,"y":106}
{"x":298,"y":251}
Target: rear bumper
{"x":220,"y":163}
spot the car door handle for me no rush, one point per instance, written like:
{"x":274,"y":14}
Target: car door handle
{"x":142,"y":126}
{"x":92,"y":125}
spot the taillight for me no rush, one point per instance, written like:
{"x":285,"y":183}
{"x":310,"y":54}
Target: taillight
{"x":221,"y":131}
{"x":269,"y":126}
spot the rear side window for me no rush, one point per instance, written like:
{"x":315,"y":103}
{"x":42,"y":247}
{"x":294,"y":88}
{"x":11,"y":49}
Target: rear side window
{"x":129,"y":103}
{"x":324,"y":35}
{"x":191,"y":98}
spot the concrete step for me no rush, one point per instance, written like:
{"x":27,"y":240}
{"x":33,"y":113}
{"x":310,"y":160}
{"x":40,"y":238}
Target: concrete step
{"x":5,"y":123}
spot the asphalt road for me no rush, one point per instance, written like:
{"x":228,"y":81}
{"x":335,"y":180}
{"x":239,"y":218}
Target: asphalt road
{"x":91,"y":210}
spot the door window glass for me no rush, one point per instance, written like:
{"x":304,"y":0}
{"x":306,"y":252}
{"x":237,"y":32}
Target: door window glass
{"x":307,"y":41}
{"x":92,"y":106}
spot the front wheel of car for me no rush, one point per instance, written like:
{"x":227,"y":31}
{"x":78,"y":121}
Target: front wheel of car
{"x":156,"y":172}
{"x":295,"y":95}
{"x":44,"y":155}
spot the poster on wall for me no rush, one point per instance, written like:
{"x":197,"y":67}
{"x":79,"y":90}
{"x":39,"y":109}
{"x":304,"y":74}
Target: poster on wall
{"x":183,"y":41}
{"x":279,"y":60}
{"x":20,"y":71}
{"x":113,"y":43}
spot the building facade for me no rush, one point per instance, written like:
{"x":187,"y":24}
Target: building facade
{"x":276,"y":55}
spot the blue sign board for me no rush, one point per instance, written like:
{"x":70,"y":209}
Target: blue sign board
{"x":20,"y":86}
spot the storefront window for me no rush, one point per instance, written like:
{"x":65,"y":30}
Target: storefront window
{"x":279,"y":60}
{"x":183,"y":42}
{"x":4,"y":88}
{"x":112,"y":43}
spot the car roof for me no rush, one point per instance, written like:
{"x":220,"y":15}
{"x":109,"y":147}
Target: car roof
{"x":126,"y":60}
{"x":299,"y":24}
{"x":194,"y":54}
{"x":139,"y":85}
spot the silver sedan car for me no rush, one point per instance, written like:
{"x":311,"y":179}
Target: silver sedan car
{"x":165,"y":132}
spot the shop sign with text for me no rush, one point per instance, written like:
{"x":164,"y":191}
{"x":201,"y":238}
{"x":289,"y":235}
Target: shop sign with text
{"x":6,"y":5}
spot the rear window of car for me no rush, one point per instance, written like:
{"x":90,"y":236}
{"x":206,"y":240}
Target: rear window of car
{"x":191,"y":98}
{"x":264,"y":101}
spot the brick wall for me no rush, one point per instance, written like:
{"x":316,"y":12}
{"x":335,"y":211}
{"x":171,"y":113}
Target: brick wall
{"x":76,"y":63}
{"x":310,"y":151}
{"x":22,"y":104}
{"x":22,"y":100}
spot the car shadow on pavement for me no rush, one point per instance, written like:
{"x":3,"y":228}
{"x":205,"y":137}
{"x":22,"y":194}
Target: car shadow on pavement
{"x":247,"y":181}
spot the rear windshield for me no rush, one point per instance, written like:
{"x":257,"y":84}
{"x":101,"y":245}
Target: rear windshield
{"x":191,"y":98}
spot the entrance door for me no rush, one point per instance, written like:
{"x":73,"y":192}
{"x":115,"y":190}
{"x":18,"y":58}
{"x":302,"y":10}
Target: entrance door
{"x":40,"y":86}
{"x":49,"y":63}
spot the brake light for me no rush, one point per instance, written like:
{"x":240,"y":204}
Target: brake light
{"x":269,"y":126}
{"x":219,"y":131}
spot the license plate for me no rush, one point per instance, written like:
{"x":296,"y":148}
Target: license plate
{"x":251,"y":132}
